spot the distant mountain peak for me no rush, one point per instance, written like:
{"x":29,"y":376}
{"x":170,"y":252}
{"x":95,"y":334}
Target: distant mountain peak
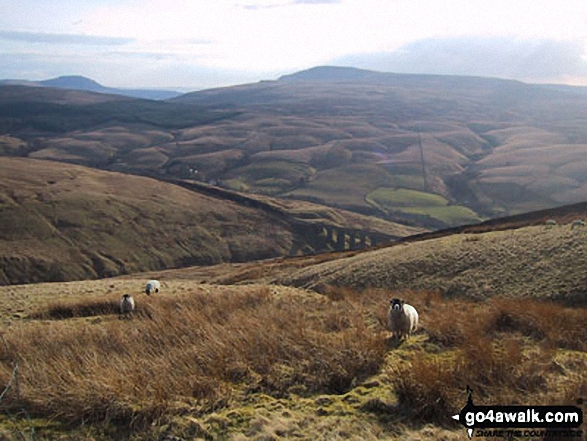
{"x":76,"y":82}
{"x":330,"y":73}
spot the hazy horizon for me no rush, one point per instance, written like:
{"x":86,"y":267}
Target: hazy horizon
{"x":197,"y":44}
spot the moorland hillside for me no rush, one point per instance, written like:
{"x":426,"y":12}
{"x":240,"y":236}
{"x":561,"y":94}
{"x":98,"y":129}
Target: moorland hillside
{"x":434,"y":151}
{"x":254,"y":361}
{"x":408,"y":145}
{"x":536,"y":262}
{"x":520,"y":256}
{"x":65,"y":222}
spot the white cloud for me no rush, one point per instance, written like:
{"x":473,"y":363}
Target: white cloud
{"x":63,"y":39}
{"x":316,"y":2}
{"x":504,"y":57}
{"x":260,"y":36}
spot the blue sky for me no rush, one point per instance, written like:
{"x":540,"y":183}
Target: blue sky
{"x":194,"y":44}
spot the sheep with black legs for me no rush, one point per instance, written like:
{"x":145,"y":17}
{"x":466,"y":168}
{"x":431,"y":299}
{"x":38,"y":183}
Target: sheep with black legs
{"x":153,"y":286}
{"x":127,"y":305}
{"x":402,"y":319}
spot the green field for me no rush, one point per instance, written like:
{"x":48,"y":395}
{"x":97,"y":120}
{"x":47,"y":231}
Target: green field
{"x":400,"y":197}
{"x":421,"y":203}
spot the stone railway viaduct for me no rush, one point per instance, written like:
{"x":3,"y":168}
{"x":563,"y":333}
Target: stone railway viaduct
{"x":322,"y":236}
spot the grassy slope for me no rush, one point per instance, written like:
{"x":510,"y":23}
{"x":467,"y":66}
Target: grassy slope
{"x":531,"y":262}
{"x":257,"y":361}
{"x":66,"y":222}
{"x":63,"y":222}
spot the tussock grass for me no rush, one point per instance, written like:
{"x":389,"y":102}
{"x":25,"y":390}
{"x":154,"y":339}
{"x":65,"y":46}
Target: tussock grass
{"x":504,"y":349}
{"x":547,"y":322}
{"x":453,"y":322}
{"x":222,"y":356}
{"x":190,"y":350}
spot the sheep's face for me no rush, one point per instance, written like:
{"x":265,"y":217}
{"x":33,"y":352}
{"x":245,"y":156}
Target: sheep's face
{"x":396,"y":304}
{"x":126,"y":296}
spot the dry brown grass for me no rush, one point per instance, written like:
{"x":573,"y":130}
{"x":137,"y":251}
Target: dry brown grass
{"x":531,"y":262}
{"x":505,"y":349}
{"x":226,"y":359}
{"x":453,"y":321}
{"x":189,"y":350}
{"x":63,"y":222}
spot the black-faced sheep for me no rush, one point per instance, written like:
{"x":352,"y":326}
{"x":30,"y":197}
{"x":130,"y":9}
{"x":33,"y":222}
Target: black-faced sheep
{"x":152,"y":286}
{"x":127,"y":305}
{"x":402,"y":319}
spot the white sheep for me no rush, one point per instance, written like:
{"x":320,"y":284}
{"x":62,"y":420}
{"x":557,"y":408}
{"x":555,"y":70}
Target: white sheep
{"x":127,"y":305}
{"x":550,"y":223}
{"x":152,"y":286}
{"x":577,"y":223}
{"x":402,"y":319}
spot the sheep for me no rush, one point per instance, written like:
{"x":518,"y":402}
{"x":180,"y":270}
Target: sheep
{"x":127,"y":305}
{"x":550,"y":223}
{"x":402,"y":319}
{"x":577,"y":223}
{"x":152,"y":286}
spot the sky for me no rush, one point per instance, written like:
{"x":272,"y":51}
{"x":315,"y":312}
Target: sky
{"x":197,"y":44}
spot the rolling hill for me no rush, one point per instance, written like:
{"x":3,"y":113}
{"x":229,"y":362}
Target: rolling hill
{"x":76,"y":82}
{"x":432,"y":151}
{"x":493,"y":146}
{"x":65,"y":222}
{"x":518,"y":257}
{"x":547,"y":265}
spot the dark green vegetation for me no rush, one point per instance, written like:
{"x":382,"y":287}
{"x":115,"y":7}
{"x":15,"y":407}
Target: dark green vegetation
{"x":466,"y":148}
{"x":65,"y":222}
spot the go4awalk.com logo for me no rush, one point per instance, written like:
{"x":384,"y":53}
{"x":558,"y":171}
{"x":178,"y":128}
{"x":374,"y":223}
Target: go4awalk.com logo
{"x":553,"y":422}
